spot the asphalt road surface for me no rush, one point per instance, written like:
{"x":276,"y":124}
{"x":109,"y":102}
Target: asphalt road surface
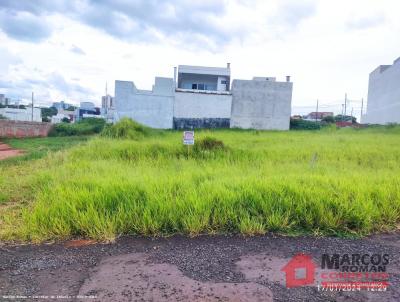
{"x":205,"y":268}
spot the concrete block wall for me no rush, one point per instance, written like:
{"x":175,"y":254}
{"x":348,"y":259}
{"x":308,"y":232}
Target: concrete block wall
{"x":383,"y":105}
{"x":21,"y":129}
{"x":202,"y":105}
{"x":151,"y":108}
{"x":196,"y":123}
{"x":202,"y":110}
{"x":262,"y":105}
{"x":255,"y":104}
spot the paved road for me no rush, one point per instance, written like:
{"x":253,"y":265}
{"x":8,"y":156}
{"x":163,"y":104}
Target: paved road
{"x":205,"y":268}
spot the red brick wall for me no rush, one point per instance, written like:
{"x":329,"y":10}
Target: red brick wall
{"x":23,"y":129}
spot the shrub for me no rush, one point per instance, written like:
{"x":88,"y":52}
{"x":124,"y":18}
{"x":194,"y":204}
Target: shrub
{"x":2,"y":117}
{"x":126,"y":128}
{"x":329,"y":119}
{"x":209,"y":144}
{"x":85,"y":127}
{"x":304,"y":125}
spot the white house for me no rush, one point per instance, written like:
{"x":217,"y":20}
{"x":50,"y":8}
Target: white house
{"x":27,"y":114}
{"x":202,"y":97}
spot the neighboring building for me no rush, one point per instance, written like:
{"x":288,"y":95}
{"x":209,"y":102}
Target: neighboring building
{"x":22,"y":114}
{"x":201,"y":97}
{"x":107,"y":108}
{"x":55,"y":119}
{"x":343,"y":124}
{"x":61,"y":105}
{"x":87,"y":106}
{"x":384,"y":95}
{"x":107,"y":103}
{"x":4,"y":101}
{"x":261,"y":103}
{"x":318,"y":115}
{"x":86,"y":109}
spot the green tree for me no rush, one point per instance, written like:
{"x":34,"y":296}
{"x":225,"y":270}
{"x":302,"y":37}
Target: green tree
{"x":328,"y":119}
{"x":47,"y":113}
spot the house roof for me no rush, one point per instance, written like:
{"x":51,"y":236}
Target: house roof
{"x":219,"y":71}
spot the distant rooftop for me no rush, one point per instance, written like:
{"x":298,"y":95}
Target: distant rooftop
{"x":220,"y":71}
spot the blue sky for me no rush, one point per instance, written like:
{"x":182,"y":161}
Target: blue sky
{"x":68,"y":50}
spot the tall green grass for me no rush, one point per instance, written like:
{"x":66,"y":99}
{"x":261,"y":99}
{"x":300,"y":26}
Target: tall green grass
{"x":87,"y":126}
{"x":327,"y":182}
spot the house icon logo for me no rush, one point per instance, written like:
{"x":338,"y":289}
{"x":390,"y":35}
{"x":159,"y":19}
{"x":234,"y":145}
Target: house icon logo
{"x":297,"y":263}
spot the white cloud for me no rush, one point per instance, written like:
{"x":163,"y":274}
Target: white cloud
{"x":77,"y":50}
{"x":328,"y":47}
{"x":366,"y":22}
{"x":24,"y":26}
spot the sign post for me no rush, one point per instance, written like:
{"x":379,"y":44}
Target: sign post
{"x":188,"y":140}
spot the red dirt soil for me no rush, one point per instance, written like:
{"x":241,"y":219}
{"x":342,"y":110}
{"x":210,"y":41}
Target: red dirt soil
{"x":79,"y":243}
{"x":6,"y":151}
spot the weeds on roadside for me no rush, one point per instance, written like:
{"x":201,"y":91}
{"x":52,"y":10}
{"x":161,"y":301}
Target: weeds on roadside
{"x":233,"y":182}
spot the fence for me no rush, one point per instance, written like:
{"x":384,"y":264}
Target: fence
{"x":23,"y":129}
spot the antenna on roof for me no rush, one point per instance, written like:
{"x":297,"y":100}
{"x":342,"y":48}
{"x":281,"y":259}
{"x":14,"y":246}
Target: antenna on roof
{"x":106,"y":88}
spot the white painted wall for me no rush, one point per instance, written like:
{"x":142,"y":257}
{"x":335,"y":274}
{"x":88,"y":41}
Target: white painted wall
{"x":258,"y":104}
{"x":22,"y":114}
{"x":218,"y":71}
{"x":261,"y":104}
{"x":384,"y":95}
{"x":151,"y":108}
{"x":220,"y":86}
{"x":202,"y":105}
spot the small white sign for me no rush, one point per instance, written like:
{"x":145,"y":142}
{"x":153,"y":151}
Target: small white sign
{"x":188,"y":137}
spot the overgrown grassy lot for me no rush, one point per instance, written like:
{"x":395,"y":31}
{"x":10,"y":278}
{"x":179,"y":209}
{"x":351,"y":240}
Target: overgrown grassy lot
{"x":324,"y":182}
{"x":36,"y":148}
{"x":17,"y":174}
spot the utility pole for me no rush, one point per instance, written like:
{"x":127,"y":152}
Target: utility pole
{"x":352,"y":115}
{"x":316,"y":113}
{"x":345,"y":104}
{"x":32,"y":108}
{"x":362,"y":107}
{"x":342,"y":111}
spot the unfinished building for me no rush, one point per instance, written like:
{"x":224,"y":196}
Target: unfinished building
{"x":384,"y":95}
{"x":202,"y":97}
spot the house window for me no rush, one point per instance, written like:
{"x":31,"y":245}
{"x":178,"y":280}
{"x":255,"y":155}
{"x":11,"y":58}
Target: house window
{"x":223,"y":82}
{"x":199,"y":86}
